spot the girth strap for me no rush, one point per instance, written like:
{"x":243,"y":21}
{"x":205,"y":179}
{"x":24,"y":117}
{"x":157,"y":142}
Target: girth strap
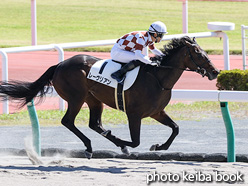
{"x":120,"y":97}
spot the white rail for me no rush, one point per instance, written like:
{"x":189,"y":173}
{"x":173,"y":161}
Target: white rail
{"x":244,"y":39}
{"x":210,"y":95}
{"x":60,"y":47}
{"x":202,"y":95}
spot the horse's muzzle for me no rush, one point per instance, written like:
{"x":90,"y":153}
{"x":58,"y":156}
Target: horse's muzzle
{"x":213,"y":74}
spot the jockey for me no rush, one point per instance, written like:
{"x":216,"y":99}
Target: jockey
{"x":128,"y":49}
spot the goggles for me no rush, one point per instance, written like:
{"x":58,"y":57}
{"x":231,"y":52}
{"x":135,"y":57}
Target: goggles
{"x":161,"y":35}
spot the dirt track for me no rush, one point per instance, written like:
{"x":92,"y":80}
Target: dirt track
{"x":19,"y":171}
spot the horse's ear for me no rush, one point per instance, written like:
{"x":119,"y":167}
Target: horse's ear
{"x":195,"y":41}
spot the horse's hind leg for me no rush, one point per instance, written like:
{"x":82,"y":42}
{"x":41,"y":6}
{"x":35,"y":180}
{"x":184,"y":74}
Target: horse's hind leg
{"x":68,"y":121}
{"x":71,"y":85}
{"x":95,"y":123}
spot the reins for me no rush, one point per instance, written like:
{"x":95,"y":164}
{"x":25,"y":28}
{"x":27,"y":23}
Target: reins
{"x":200,"y":70}
{"x":159,"y":84}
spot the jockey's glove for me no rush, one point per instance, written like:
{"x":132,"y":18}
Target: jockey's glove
{"x":155,"y":58}
{"x":155,"y":63}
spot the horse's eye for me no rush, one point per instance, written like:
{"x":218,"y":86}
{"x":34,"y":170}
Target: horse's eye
{"x":197,"y":50}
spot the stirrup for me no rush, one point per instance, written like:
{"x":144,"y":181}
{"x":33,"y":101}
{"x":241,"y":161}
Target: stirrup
{"x":118,"y":79}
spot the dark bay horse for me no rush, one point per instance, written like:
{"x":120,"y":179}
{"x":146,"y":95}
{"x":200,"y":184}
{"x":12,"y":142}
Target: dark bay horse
{"x":148,"y":96}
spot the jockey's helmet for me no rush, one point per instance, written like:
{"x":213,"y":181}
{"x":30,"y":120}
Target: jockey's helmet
{"x":159,"y":28}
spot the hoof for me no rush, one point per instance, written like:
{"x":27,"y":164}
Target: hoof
{"x":88,"y":154}
{"x":154,"y":147}
{"x":105,"y":133}
{"x":125,"y":150}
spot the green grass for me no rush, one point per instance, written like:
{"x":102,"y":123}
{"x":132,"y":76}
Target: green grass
{"x":195,"y":111}
{"x":61,"y":21}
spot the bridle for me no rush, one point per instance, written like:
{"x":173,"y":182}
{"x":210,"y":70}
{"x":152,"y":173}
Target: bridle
{"x":200,"y":70}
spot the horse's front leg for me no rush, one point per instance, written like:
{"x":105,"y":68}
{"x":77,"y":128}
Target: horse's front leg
{"x":134,"y":128}
{"x":163,"y":118}
{"x":95,"y":123}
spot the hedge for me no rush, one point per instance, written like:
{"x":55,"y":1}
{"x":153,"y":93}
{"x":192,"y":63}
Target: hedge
{"x":233,"y":80}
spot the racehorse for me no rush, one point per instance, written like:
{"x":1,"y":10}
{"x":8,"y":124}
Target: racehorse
{"x":148,"y":96}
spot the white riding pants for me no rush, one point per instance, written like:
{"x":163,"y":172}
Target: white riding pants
{"x":121,"y":55}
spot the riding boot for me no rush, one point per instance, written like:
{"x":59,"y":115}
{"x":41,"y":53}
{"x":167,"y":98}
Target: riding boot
{"x":120,"y":75}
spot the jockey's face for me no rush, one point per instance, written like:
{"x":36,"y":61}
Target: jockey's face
{"x":157,"y":38}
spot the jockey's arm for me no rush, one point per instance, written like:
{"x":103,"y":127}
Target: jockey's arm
{"x":142,"y":57}
{"x":157,"y":52}
{"x":138,"y":53}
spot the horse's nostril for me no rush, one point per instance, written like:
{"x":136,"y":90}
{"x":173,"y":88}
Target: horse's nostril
{"x":215,"y":72}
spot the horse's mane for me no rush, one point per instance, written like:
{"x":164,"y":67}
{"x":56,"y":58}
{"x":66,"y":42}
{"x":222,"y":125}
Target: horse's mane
{"x":174,"y":45}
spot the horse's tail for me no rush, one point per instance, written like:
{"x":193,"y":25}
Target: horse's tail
{"x":24,"y":92}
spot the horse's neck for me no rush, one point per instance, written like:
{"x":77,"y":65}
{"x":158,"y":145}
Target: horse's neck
{"x":169,"y":76}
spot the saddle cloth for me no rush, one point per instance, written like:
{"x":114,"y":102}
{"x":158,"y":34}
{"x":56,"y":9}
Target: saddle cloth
{"x":101,"y":72}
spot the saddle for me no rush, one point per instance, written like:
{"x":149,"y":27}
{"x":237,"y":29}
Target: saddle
{"x":101,"y":72}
